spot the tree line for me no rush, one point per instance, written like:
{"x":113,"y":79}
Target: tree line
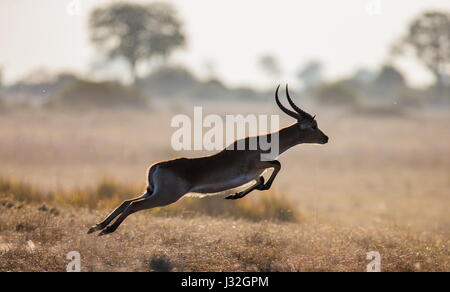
{"x":145,"y":36}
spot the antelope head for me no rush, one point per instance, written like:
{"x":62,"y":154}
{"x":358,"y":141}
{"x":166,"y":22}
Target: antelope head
{"x":308,"y":130}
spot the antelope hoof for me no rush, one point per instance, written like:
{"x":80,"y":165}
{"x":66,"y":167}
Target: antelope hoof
{"x":106,"y":231}
{"x":94,"y":229}
{"x":263,"y":188}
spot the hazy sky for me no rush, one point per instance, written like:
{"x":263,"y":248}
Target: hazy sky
{"x":231,"y":34}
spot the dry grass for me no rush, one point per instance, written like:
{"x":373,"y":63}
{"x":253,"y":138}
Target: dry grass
{"x":147,"y":243}
{"x":381,"y":184}
{"x":108,"y":194}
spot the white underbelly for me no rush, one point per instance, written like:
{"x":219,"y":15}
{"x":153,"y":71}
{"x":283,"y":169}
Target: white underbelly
{"x":235,"y":185}
{"x":222,"y":193}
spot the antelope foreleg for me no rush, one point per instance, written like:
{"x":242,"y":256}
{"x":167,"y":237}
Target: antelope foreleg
{"x":260,"y":185}
{"x":240,"y":195}
{"x":276,"y":165}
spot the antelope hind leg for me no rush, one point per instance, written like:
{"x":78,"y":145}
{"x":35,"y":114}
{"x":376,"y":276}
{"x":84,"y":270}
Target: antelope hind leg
{"x":114,"y":214}
{"x":144,"y":204}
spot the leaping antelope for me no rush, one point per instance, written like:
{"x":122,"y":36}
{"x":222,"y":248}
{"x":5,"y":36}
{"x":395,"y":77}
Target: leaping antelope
{"x":168,"y":181}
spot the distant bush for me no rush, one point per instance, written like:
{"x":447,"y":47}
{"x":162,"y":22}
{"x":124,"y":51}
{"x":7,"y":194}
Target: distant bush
{"x":379,"y":110}
{"x":409,"y":99}
{"x":211,"y":89}
{"x":169,"y":82}
{"x":84,"y":94}
{"x":39,"y":86}
{"x":336,"y":94}
{"x":108,"y":194}
{"x":2,"y":101}
{"x":179,"y":82}
{"x":388,"y":85}
{"x":20,"y":191}
{"x":244,"y":93}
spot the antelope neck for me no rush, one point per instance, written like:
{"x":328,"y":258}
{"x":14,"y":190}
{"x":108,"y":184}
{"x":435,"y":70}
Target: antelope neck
{"x":289,"y":137}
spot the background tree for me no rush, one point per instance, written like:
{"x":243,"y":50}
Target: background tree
{"x":136,"y":32}
{"x":429,"y":38}
{"x":1,"y":85}
{"x":270,"y":65}
{"x":364,"y":76}
{"x":311,"y":74}
{"x":389,"y":84}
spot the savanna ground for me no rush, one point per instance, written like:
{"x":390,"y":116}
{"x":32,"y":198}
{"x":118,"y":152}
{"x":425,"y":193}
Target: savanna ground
{"x":382,"y":184}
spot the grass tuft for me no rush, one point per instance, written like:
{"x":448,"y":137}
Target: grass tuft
{"x":160,"y":264}
{"x":21,"y":192}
